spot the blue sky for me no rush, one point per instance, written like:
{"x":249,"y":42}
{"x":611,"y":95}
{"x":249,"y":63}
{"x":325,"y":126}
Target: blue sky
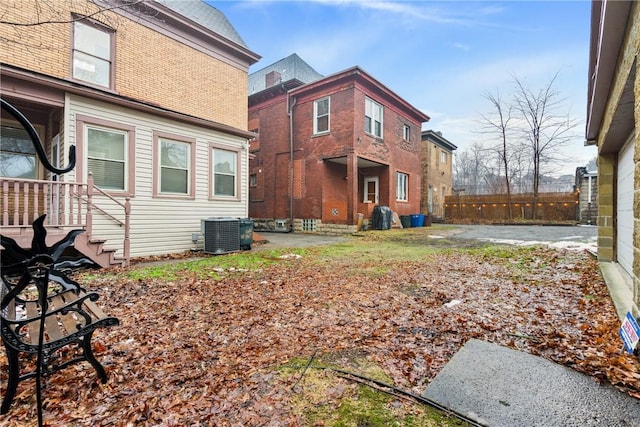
{"x":439,"y":56}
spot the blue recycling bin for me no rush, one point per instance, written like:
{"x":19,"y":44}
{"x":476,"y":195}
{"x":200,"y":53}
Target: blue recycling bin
{"x":417,"y":220}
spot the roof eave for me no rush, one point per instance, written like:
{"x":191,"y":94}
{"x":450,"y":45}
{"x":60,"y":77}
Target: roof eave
{"x":608,"y":26}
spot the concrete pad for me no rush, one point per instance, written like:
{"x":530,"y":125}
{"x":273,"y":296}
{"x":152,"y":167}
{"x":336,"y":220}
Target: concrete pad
{"x":497,"y":386}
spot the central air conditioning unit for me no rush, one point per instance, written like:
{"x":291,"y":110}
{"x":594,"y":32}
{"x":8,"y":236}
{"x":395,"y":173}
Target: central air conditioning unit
{"x":221,"y":235}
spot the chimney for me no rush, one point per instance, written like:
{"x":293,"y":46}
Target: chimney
{"x":272,"y":78}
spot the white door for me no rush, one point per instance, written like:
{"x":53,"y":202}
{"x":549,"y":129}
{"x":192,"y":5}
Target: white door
{"x":371,"y":192}
{"x":624,"y":207}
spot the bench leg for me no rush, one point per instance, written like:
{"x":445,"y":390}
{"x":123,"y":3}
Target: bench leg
{"x":13,"y":380}
{"x":88,"y":352}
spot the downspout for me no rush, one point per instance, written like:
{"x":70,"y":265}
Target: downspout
{"x":290,"y":114}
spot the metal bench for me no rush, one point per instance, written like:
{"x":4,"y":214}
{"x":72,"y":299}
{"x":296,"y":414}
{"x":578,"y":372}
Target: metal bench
{"x":44,"y":313}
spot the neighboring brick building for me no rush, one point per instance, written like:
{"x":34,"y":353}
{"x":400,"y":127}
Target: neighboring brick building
{"x":437,"y":173}
{"x":613,"y":124}
{"x":329,"y":149}
{"x":152,"y":95}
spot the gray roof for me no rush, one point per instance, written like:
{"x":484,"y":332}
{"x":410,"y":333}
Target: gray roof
{"x":290,"y":68}
{"x":206,"y":15}
{"x":437,"y":138}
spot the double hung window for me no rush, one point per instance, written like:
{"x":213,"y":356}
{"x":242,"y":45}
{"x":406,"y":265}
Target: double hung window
{"x":92,"y":54}
{"x":107,"y":157}
{"x":373,"y":113}
{"x":225,"y":178}
{"x":175,"y":158}
{"x":321,"y":115}
{"x":402,"y":186}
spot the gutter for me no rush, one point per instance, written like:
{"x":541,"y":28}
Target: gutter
{"x":291,"y":168}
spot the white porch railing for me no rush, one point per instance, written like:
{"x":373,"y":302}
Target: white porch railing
{"x":66,"y":204}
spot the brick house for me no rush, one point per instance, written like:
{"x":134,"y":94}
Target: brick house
{"x":329,"y":149}
{"x":153,"y":97}
{"x":437,"y":172}
{"x":613,"y":124}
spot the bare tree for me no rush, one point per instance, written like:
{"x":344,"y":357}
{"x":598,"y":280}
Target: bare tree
{"x":471,"y":168}
{"x":498,"y":124}
{"x":544,"y":128}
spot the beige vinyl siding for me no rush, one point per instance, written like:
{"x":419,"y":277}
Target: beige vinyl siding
{"x":160,"y":225}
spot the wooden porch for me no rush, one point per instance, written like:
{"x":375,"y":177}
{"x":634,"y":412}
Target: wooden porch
{"x":68,"y":206}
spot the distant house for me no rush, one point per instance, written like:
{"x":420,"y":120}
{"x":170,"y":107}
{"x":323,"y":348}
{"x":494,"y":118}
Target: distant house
{"x":437,"y":172}
{"x":152,"y":95}
{"x":329,"y":149}
{"x":586,"y":184}
{"x":613,"y":124}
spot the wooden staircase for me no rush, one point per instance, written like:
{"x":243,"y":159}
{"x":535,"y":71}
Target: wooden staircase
{"x":97,"y":252}
{"x":93,"y":249}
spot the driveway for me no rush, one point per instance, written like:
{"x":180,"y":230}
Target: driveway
{"x":557,"y":236}
{"x":570,"y":237}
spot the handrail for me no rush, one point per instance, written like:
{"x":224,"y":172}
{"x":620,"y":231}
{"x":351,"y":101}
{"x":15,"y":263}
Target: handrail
{"x":37,"y":143}
{"x":21,"y":198}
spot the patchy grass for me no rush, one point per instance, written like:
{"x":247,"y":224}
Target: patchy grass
{"x":324,"y":396}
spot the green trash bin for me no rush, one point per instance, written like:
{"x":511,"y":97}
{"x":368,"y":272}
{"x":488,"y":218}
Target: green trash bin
{"x":405,"y":220}
{"x":246,"y":233}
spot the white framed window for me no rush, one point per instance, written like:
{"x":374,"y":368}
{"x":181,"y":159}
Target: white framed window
{"x":225,"y":176}
{"x":402,"y":186}
{"x":321,"y":115}
{"x":17,"y":153}
{"x":373,"y":113}
{"x":406,"y":132}
{"x":107,"y":157}
{"x":443,"y":157}
{"x":92,"y":54}
{"x":175,"y":174}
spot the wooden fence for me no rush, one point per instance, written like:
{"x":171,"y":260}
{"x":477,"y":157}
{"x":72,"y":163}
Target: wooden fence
{"x":552,"y":207}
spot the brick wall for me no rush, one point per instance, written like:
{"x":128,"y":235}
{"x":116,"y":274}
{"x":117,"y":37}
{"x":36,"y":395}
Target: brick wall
{"x":326,"y":190}
{"x":149,"y":66}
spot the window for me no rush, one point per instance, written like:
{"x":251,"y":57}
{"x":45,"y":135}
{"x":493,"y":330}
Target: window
{"x":406,"y":132}
{"x":17,"y":153}
{"x":443,"y":157}
{"x":224,"y":172}
{"x":253,"y":180}
{"x":372,"y":117}
{"x":402,"y":186}
{"x":92,"y":54}
{"x":106,"y":157}
{"x":175,"y":158}
{"x":321,"y":115}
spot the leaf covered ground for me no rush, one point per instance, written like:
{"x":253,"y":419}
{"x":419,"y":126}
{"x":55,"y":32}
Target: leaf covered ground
{"x":235,"y":340}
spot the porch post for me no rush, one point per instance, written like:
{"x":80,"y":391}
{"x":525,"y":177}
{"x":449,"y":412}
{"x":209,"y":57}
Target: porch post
{"x":352,"y":188}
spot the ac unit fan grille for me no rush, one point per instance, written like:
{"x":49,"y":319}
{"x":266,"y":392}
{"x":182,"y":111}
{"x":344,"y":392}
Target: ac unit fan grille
{"x":221,"y":236}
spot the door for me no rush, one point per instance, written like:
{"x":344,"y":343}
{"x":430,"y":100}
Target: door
{"x":624,"y":206}
{"x":371,"y":189}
